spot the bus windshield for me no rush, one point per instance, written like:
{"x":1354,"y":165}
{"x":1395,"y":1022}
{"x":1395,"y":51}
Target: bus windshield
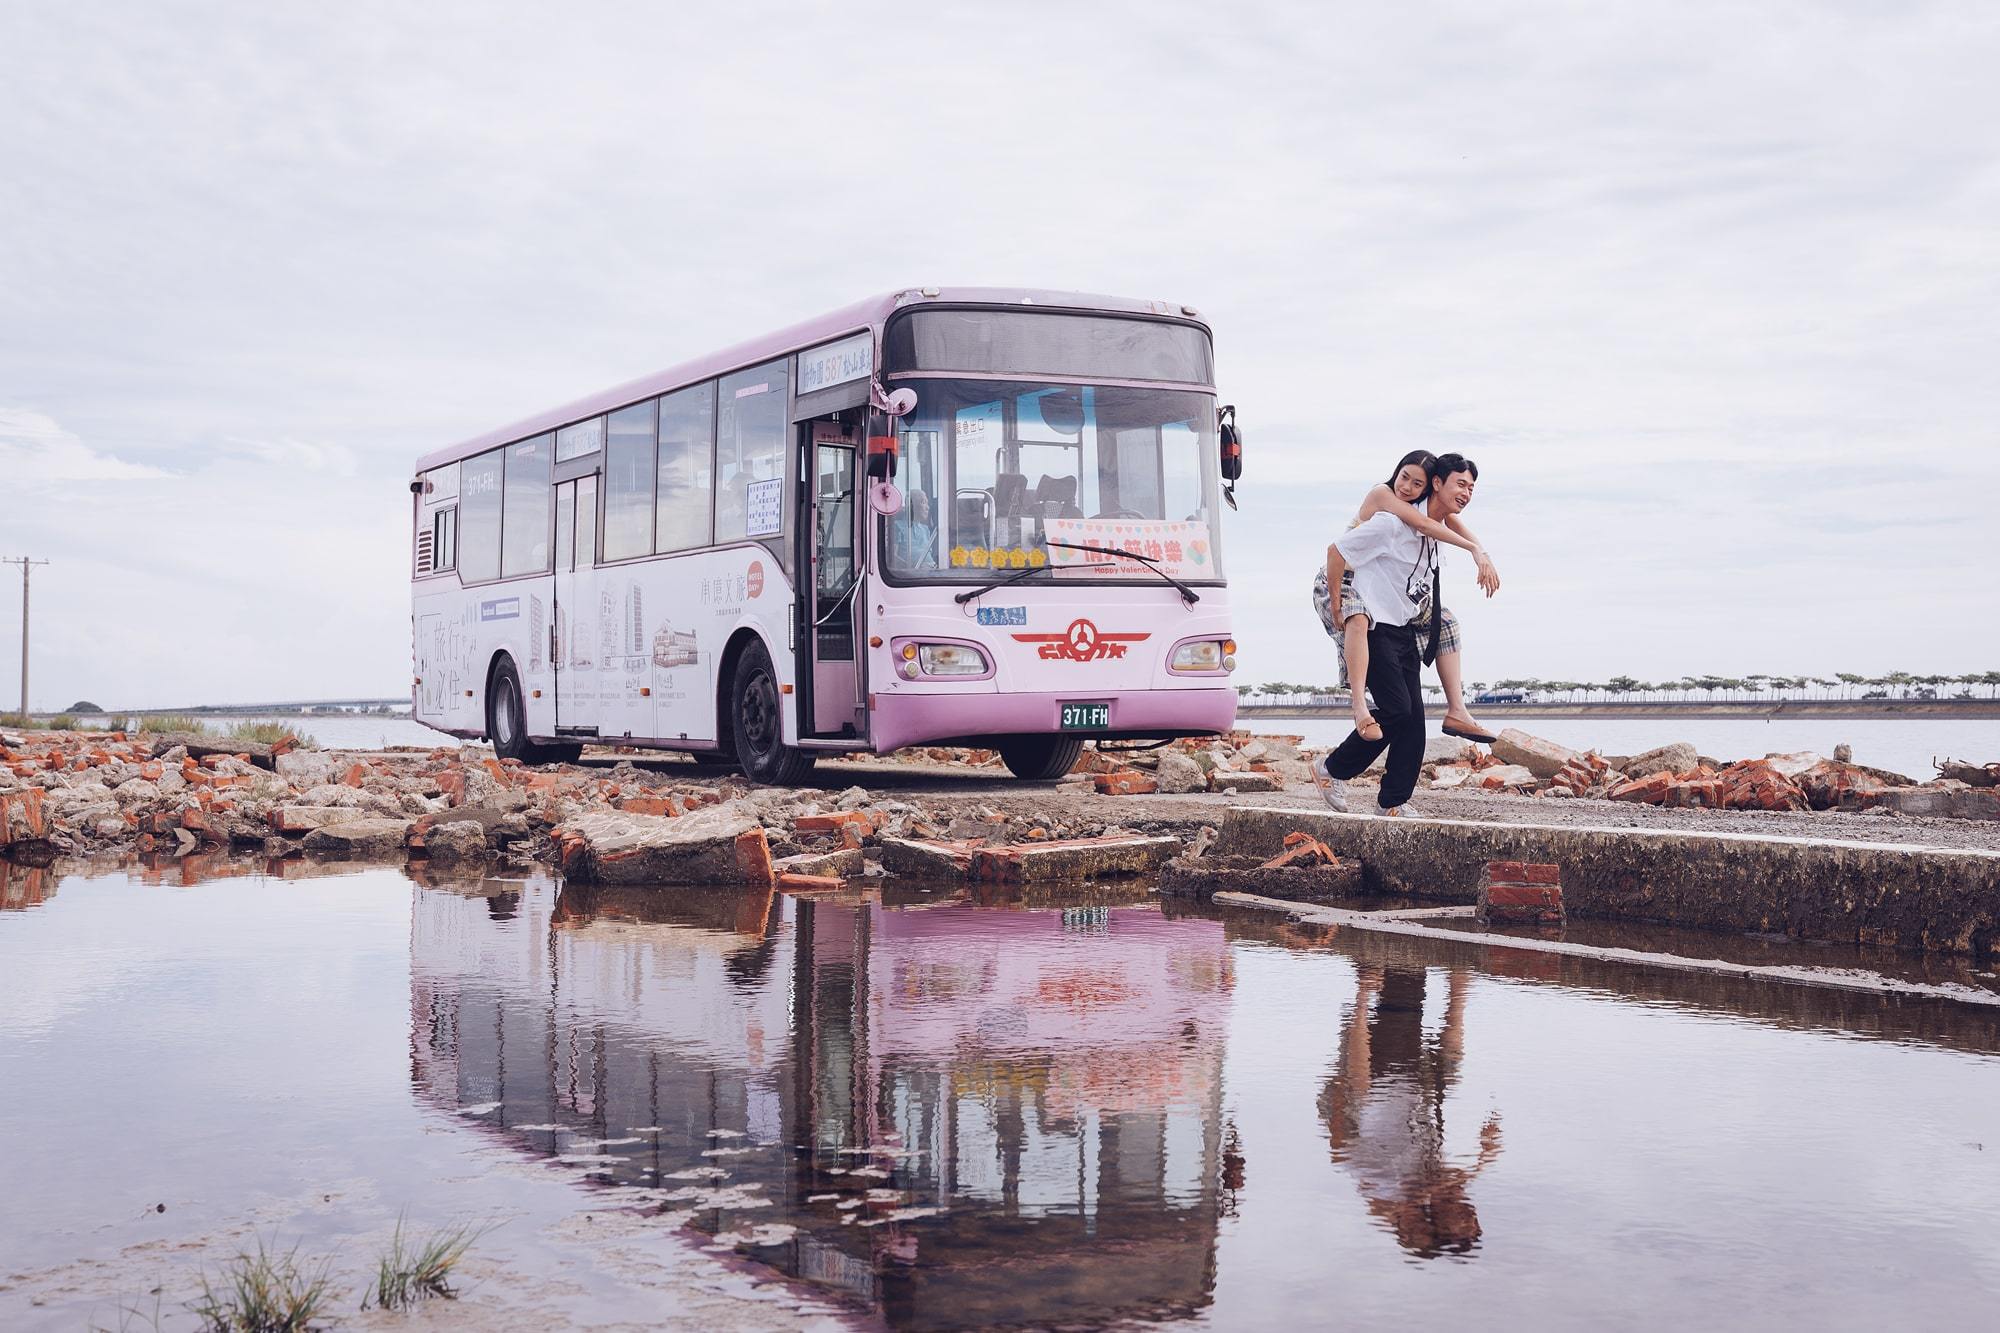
{"x":1004,"y":475}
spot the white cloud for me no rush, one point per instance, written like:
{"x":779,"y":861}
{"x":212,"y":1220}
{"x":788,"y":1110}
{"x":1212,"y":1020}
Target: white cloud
{"x":35,"y":451}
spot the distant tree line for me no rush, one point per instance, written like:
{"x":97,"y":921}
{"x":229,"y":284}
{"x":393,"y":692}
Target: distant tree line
{"x":1628,"y":689}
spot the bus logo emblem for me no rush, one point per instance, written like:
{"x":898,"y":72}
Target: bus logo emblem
{"x":1081,"y":642}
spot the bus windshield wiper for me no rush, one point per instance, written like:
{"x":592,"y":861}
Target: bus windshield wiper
{"x":1188,"y":595}
{"x":964,"y":597}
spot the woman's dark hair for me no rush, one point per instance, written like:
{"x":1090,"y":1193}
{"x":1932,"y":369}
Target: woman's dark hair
{"x":1423,"y":458}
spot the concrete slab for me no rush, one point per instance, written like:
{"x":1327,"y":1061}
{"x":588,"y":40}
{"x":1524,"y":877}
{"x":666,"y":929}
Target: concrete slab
{"x":1396,"y":923}
{"x":1835,"y":891}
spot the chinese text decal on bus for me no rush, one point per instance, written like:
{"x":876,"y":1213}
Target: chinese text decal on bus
{"x":963,"y":516}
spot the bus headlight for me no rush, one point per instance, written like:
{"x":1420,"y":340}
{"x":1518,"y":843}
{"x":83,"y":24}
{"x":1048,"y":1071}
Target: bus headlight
{"x":952,"y":659}
{"x":1204,"y":655}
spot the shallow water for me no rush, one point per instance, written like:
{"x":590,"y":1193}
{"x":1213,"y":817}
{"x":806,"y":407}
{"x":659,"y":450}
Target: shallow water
{"x":941,"y":1112}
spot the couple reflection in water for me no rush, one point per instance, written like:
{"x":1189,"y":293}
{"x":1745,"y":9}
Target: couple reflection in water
{"x":1384,"y":1111}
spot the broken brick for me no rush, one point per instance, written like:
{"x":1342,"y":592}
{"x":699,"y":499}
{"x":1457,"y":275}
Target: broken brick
{"x":1523,"y":872}
{"x":808,"y":883}
{"x":1125,"y":782}
{"x":753,"y":859}
{"x":1649,"y":790}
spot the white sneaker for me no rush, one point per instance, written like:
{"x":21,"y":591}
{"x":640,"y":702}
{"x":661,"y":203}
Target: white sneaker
{"x":1331,"y":789}
{"x":1403,"y":811}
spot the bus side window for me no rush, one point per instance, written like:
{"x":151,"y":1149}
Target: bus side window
{"x":526,"y":508}
{"x":444,"y":540}
{"x":750,"y":450}
{"x":479,"y":518}
{"x":628,"y":482}
{"x":687,"y":468}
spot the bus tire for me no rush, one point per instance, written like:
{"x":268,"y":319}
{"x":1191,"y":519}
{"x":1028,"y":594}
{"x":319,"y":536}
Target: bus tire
{"x":757,"y":723}
{"x":507,"y":715}
{"x":507,"y":723}
{"x":1040,"y":758}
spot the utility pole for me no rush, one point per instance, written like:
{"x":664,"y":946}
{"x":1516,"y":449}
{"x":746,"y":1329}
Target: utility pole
{"x":27,"y":566}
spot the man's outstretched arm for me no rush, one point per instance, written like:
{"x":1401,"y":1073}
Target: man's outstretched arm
{"x":1489,"y":577}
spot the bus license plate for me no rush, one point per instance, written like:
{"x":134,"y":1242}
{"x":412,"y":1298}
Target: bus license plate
{"x":1086,"y":717}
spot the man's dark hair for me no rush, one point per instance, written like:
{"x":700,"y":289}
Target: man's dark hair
{"x":1449,"y":463}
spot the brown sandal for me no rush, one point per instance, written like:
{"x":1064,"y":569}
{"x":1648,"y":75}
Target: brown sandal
{"x":1371,"y":730}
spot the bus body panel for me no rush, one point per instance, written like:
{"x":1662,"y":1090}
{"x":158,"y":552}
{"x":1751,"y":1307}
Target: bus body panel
{"x":638,"y":659}
{"x":1049,"y":644}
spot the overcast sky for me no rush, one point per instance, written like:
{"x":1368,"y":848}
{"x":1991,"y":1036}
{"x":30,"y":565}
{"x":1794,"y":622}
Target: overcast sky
{"x":1708,"y":290}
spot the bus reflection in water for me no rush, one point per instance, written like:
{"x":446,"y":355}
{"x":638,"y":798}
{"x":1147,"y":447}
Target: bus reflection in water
{"x":1048,"y":1081}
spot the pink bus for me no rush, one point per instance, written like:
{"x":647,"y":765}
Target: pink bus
{"x":942,"y":516}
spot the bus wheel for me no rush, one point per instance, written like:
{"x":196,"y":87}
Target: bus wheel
{"x":1039,"y":758}
{"x":506,"y":717}
{"x":757,"y":724}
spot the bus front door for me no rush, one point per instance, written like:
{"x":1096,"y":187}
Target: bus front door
{"x":833,"y":577}
{"x":575,"y":639}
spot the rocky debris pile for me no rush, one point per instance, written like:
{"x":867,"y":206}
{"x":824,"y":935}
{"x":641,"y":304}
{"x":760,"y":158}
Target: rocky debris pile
{"x":1677,"y":777}
{"x":66,"y":793}
{"x":1234,"y":762}
{"x":460,"y":810}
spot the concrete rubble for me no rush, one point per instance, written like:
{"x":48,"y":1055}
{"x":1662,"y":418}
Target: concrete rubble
{"x":452,"y":808}
{"x":1304,"y":869}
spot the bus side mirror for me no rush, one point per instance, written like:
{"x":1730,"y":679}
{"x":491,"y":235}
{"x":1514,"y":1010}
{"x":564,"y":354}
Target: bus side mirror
{"x":885,"y":499}
{"x":1232,"y":451}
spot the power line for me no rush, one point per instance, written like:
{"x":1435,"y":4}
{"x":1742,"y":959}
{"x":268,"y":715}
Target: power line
{"x":27,"y":566}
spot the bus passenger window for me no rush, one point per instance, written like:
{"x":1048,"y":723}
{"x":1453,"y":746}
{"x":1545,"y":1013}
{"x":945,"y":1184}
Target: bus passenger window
{"x":525,"y":508}
{"x":750,"y":449}
{"x":628,"y":483}
{"x":479,"y":517}
{"x":687,"y":468}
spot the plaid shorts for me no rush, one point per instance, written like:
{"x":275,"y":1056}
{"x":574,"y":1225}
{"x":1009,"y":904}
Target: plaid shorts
{"x":1350,"y":606}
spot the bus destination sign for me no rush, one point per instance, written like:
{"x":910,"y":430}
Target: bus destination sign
{"x":837,"y":363}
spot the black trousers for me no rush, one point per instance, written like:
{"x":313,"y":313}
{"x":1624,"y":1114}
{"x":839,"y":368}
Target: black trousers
{"x":1394,"y":664}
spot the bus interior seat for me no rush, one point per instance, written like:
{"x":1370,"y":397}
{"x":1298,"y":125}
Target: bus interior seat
{"x":1060,"y":492}
{"x":971,"y":525}
{"x":1009,"y":490}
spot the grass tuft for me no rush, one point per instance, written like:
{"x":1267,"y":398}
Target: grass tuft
{"x":413,"y":1270}
{"x":169,"y":722}
{"x":131,"y":1319}
{"x":264,"y":1293}
{"x":270,"y":733}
